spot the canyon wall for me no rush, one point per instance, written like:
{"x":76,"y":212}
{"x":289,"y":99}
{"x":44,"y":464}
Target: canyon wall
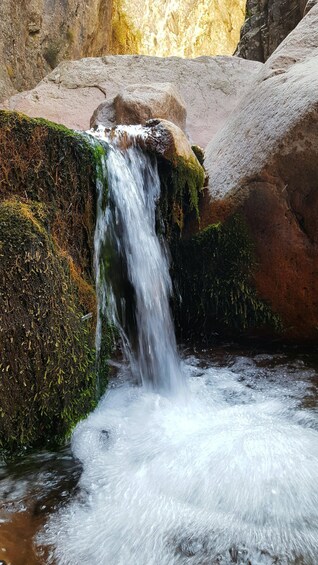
{"x":36,"y":35}
{"x":186,"y":28}
{"x":267,"y":24}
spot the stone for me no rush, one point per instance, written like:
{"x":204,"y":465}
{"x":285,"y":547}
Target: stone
{"x":263,"y":166}
{"x":310,"y":4}
{"x":136,"y":104}
{"x":47,"y":213}
{"x":266,"y":25}
{"x":210,"y":86}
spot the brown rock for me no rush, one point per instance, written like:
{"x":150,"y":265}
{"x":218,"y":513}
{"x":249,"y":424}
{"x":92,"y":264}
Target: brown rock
{"x":138,"y":103}
{"x":264,"y":165}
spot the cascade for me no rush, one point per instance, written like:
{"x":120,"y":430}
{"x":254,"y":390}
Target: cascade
{"x":126,"y":232}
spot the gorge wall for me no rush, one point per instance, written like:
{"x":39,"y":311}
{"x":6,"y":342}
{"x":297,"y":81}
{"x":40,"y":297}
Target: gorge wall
{"x":185,"y":28}
{"x":36,"y":35}
{"x":267,"y":24}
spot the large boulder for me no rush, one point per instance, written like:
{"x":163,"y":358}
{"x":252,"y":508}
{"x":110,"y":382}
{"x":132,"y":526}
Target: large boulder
{"x":267,"y":24}
{"x":211,"y":88}
{"x":35,"y":36}
{"x":263,"y":167}
{"x":138,"y":103}
{"x":47,"y":214}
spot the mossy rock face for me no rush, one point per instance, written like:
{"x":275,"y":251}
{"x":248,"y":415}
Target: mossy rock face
{"x":212,"y":271}
{"x":48,"y":163}
{"x":47,"y":377}
{"x":47,"y":220}
{"x":182,"y":181}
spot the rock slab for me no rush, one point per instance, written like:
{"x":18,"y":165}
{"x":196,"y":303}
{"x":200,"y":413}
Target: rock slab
{"x":210,"y":86}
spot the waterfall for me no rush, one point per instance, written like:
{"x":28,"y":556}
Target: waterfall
{"x":132,"y":267}
{"x":226,"y":474}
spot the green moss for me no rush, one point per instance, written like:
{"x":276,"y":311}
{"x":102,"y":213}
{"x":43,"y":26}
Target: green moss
{"x":51,"y":55}
{"x":181,"y":184}
{"x":47,"y":376}
{"x":199,"y":153}
{"x":48,"y":163}
{"x":48,"y":177}
{"x":213,"y":273}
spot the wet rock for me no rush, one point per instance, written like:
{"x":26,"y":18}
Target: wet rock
{"x":182,"y":175}
{"x":47,"y":184}
{"x":138,"y":103}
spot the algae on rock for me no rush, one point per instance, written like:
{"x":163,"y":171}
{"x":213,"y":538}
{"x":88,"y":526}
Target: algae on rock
{"x":212,"y":271}
{"x":47,"y":377}
{"x":47,"y":218}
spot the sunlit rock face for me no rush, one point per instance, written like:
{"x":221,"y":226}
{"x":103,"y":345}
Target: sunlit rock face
{"x":187,"y":28}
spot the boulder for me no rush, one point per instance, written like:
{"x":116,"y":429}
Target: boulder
{"x":263,"y":167}
{"x":47,"y":214}
{"x":210,"y":86}
{"x":138,"y":103}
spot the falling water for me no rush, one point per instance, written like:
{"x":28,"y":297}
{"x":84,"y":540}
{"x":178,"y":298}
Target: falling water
{"x":126,"y":233}
{"x":223,"y":475}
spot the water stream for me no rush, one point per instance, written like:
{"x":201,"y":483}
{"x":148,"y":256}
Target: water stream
{"x":126,"y":240}
{"x":186,"y":461}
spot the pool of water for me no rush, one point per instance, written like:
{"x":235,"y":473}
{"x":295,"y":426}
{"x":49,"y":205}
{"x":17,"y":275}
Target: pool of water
{"x":223,"y":473}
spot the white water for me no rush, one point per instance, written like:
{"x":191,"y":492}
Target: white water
{"x":127,"y":226}
{"x":224,"y":474}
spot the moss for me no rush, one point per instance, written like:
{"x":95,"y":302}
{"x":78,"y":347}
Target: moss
{"x":51,"y":55}
{"x":48,"y":177}
{"x":181,"y":184}
{"x":213,"y":274}
{"x":47,"y":376}
{"x":70,"y":36}
{"x":199,"y":153}
{"x":48,"y":163}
